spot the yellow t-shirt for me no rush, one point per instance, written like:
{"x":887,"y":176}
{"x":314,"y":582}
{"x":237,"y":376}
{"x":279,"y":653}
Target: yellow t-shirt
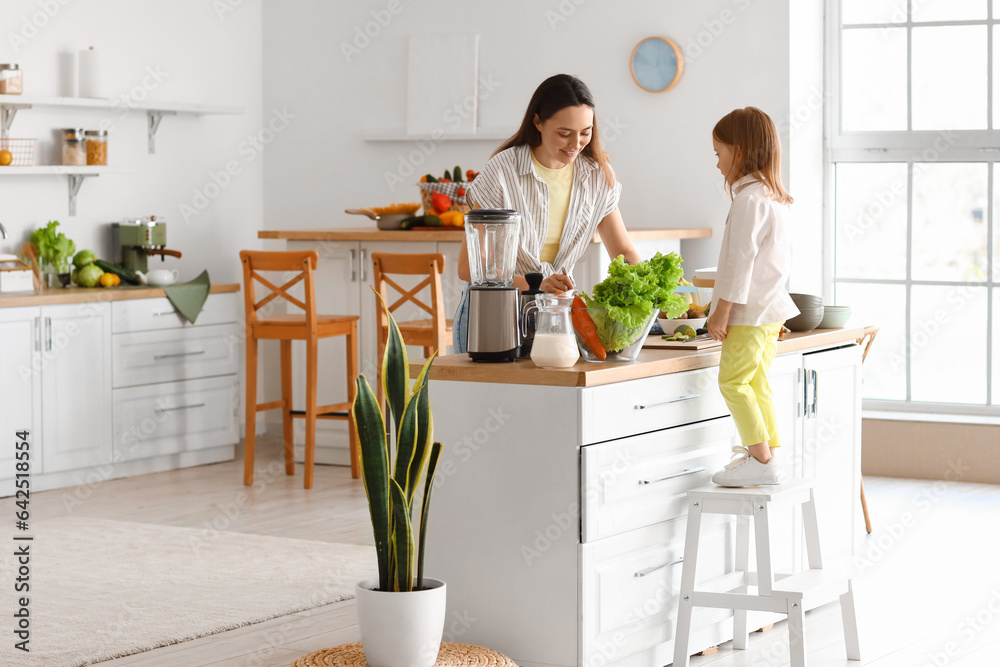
{"x":560,"y":182}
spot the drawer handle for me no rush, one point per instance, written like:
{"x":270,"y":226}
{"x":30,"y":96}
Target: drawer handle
{"x":685,"y":397}
{"x":180,"y":407}
{"x":166,"y":312}
{"x":650,"y":570}
{"x":689,"y":471}
{"x":157,"y":357}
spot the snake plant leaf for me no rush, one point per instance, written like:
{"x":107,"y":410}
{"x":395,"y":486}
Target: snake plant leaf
{"x":395,"y":367}
{"x":403,"y":538}
{"x":435,"y":454}
{"x":374,"y":471}
{"x":406,"y":446}
{"x":422,"y":446}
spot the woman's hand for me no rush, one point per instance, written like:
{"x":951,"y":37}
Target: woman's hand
{"x":557,"y":282}
{"x":718,"y":319}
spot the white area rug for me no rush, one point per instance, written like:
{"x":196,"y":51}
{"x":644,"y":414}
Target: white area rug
{"x":103,"y":589}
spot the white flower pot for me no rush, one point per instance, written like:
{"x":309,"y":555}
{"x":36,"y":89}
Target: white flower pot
{"x":401,"y":629}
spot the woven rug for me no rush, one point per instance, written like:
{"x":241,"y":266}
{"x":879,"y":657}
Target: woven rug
{"x":103,"y":589}
{"x":450,"y":655}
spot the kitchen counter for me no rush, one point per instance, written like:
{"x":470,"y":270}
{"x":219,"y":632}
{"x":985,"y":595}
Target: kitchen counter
{"x":446,"y":234}
{"x":458,"y":367}
{"x":59,"y":295}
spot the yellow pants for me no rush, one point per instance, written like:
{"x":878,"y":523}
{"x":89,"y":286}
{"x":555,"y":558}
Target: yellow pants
{"x":747,"y":354}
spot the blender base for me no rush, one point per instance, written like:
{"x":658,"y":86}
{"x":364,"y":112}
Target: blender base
{"x":494,"y":357}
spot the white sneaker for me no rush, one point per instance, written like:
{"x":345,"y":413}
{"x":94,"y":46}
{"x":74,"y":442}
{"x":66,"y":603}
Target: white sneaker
{"x":745,"y":470}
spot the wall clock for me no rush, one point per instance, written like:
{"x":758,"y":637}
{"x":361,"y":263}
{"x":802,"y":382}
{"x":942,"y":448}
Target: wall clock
{"x":656,"y":64}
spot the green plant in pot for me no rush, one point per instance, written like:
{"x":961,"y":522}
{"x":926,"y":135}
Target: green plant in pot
{"x":401,"y":614}
{"x":55,"y":249}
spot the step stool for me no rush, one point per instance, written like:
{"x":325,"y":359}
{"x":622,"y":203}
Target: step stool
{"x":781,"y":593}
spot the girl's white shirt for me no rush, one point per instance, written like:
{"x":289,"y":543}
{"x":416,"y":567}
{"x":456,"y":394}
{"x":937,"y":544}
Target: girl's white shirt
{"x":509,"y":180}
{"x":756,"y":258}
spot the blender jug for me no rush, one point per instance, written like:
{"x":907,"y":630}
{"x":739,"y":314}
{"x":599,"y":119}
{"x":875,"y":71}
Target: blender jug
{"x":491,"y":238}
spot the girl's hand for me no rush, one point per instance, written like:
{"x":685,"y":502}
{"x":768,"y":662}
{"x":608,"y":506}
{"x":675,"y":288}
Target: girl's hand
{"x":557,"y":282}
{"x":717,"y":325}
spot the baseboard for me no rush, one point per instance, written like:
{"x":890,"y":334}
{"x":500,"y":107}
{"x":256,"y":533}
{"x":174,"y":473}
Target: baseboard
{"x":332,"y":446}
{"x":930,"y":450}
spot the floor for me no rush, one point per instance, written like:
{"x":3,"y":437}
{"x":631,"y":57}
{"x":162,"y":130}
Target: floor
{"x":928,"y":591}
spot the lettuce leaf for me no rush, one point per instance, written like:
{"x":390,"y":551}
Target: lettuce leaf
{"x":632,"y":294}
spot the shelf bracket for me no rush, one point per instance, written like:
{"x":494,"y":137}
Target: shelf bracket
{"x":154,"y":118}
{"x":7,"y":113}
{"x":75,"y":181}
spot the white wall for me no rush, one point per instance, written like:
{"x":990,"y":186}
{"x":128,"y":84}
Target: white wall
{"x":737,"y":54}
{"x":200,"y":57}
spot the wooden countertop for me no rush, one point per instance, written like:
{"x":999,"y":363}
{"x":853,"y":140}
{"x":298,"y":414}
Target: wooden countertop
{"x":59,"y":295}
{"x":650,"y":363}
{"x":449,"y":234}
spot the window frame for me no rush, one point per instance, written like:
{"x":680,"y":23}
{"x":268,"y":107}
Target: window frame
{"x":909,"y":147}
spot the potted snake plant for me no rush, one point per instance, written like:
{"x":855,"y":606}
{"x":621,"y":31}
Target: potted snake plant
{"x":401,"y":614}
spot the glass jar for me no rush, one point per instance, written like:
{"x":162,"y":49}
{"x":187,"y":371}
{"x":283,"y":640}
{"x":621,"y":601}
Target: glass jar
{"x":97,"y":146}
{"x":74,"y":149}
{"x":11,"y":81}
{"x":554,"y":345}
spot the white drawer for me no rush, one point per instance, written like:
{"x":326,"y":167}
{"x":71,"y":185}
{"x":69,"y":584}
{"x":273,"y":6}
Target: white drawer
{"x":650,"y":404}
{"x":630,"y":584}
{"x":175,"y":417}
{"x":148,"y":357}
{"x":643,"y":480}
{"x":159,"y":313}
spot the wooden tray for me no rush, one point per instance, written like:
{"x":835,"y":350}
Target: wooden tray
{"x":657,"y":343}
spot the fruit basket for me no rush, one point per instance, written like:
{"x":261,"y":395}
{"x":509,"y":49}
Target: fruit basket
{"x":22,"y":151}
{"x":450,"y":190}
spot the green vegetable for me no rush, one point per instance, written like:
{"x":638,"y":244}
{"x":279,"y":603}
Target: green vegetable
{"x":83,"y":258}
{"x":89,"y":275}
{"x":431,"y":179}
{"x":457,"y":174}
{"x":54,"y":248}
{"x":631,"y":295}
{"x":126,"y":275}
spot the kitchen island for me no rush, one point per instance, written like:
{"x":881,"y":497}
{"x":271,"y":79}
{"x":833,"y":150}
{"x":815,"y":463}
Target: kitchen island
{"x":558,"y":513}
{"x":343,"y":285}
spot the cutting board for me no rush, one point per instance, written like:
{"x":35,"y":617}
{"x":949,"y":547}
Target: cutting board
{"x":657,"y":343}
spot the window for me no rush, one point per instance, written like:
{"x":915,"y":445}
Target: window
{"x":913,"y":138}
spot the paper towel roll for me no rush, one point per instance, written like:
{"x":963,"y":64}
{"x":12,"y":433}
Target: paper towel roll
{"x":90,"y":74}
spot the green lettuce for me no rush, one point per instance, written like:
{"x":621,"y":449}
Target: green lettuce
{"x":54,"y":248}
{"x":630,"y":295}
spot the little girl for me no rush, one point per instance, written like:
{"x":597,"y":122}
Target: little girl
{"x":749,"y":301}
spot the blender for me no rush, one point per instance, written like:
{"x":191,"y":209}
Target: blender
{"x":491,"y":237}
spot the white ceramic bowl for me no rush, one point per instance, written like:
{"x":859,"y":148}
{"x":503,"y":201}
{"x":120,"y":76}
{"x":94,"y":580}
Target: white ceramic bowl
{"x":669,"y":326}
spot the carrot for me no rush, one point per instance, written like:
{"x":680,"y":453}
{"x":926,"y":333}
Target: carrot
{"x":584,"y":326}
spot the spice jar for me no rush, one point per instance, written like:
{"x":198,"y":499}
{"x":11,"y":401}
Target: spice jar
{"x":11,"y":81}
{"x":97,"y":146}
{"x":74,"y":151}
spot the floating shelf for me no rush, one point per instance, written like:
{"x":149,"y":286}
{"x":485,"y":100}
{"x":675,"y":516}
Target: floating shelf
{"x":155,"y":111}
{"x":75,"y":174}
{"x":399,"y":134}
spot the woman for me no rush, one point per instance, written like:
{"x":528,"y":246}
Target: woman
{"x":555,"y":173}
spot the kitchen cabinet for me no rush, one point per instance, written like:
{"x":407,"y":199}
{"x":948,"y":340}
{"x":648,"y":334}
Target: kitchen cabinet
{"x":111,"y":384}
{"x":559,"y":516}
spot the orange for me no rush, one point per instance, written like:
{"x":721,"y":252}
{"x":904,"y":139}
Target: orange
{"x":110,"y":280}
{"x":6,"y":157}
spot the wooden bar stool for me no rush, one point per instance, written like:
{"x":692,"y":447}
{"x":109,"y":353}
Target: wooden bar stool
{"x":431,"y":334}
{"x":308,"y":327}
{"x":791,"y":594}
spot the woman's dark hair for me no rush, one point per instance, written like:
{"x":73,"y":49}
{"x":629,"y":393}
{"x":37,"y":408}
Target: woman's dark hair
{"x":552,"y":95}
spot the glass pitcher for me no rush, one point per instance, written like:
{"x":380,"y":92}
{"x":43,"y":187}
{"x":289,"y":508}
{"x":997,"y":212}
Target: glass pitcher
{"x":554,"y":344}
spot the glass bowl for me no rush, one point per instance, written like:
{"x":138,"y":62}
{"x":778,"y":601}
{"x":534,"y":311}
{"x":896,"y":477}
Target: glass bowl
{"x":634,"y":337}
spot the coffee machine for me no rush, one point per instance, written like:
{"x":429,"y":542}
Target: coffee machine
{"x":135,"y":239}
{"x":491,"y":237}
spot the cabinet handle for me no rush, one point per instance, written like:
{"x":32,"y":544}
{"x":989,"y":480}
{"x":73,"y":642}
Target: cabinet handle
{"x":354,"y":273}
{"x":157,"y":357}
{"x":682,"y":473}
{"x":38,"y":334}
{"x":650,"y":570}
{"x":164,"y":313}
{"x":803,"y":406}
{"x":48,"y":334}
{"x":685,"y":397}
{"x":815,"y":403}
{"x":364,"y":264}
{"x":180,"y":407}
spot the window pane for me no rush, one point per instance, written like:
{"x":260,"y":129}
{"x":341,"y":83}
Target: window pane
{"x":873,"y":11}
{"x":873,"y":71}
{"x":996,"y":71}
{"x":883,"y":306}
{"x":871,"y":220}
{"x":949,"y":10}
{"x":949,"y":78}
{"x":949,"y":221}
{"x":948,"y":344}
